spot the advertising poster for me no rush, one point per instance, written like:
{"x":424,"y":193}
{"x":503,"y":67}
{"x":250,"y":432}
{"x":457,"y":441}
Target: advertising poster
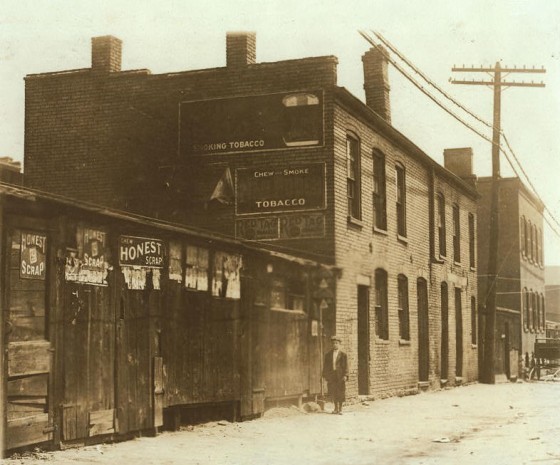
{"x":33,"y":255}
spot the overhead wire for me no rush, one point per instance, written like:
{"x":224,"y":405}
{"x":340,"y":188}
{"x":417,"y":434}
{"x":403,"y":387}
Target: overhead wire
{"x":453,"y":114}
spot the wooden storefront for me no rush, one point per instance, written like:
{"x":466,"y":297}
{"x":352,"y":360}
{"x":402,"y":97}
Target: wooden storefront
{"x":114,"y":322}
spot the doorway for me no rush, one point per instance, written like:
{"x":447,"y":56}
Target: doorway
{"x":363,"y":340}
{"x":458,"y":334}
{"x":423,"y":331}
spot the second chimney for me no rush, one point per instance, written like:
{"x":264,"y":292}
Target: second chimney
{"x":376,"y":81}
{"x":460,"y":162}
{"x":241,"y":49}
{"x":106,"y":54}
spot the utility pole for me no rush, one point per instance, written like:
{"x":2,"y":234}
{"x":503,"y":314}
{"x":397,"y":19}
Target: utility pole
{"x":487,"y":376}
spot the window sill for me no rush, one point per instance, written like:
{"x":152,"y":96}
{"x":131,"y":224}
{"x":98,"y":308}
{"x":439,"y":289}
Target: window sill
{"x":355,"y":222}
{"x":380,"y":231}
{"x":443,"y":382}
{"x":402,"y":239}
{"x":473,"y":268}
{"x":404,"y":342}
{"x":474,"y":346}
{"x":458,"y":380}
{"x":456,"y":263}
{"x":382,"y":341}
{"x":438,"y":260}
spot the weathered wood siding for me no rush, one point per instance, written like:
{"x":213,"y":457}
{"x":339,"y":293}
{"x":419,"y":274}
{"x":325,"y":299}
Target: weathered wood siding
{"x":199,"y":347}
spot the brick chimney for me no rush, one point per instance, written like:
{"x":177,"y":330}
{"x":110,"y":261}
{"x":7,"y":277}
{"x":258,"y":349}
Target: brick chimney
{"x":459,"y":162}
{"x":376,"y":81}
{"x":106,"y":54}
{"x":241,"y":49}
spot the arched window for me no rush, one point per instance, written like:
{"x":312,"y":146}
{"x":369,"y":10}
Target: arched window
{"x":522,"y":236}
{"x":543,"y":315}
{"x":537,"y":247}
{"x":404,"y":319}
{"x":441,"y":225}
{"x":533,"y":311}
{"x":534,"y":244}
{"x":530,"y":251}
{"x":353,"y":176}
{"x":444,"y":331}
{"x":456,"y":234}
{"x":401,"y":200}
{"x":381,"y":305}
{"x":537,"y":309}
{"x":525,"y":298}
{"x":526,"y":228}
{"x":379,"y":191}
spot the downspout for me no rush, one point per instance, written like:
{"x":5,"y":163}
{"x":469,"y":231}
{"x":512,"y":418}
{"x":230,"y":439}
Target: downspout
{"x":431,"y":217}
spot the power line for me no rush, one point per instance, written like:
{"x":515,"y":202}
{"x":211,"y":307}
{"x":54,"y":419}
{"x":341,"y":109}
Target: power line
{"x":454,"y":115}
{"x":428,"y":80}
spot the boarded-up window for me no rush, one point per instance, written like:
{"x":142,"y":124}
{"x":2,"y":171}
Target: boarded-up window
{"x":196,"y":268}
{"x":287,"y":294}
{"x":27,"y":293}
{"x":226,"y":281}
{"x":175,"y":261}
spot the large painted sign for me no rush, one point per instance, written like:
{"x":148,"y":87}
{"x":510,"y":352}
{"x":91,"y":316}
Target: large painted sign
{"x":251,"y":123}
{"x":296,"y":226}
{"x":287,"y":189}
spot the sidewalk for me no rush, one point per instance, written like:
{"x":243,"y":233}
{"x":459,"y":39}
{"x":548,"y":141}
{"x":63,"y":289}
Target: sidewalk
{"x":513,"y":423}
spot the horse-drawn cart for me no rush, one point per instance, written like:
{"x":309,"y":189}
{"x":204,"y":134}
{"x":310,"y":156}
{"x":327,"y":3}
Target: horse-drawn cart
{"x":546,"y":364}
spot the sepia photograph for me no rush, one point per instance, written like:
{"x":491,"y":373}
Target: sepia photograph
{"x":284,"y":232}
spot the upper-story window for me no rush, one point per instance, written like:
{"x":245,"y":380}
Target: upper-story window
{"x":526,"y":228}
{"x":537,"y":247}
{"x":543,"y":315}
{"x":525,"y":303}
{"x":541,"y":258}
{"x":456,"y":234}
{"x":353,"y":176}
{"x":530,"y":242}
{"x":401,"y":200}
{"x":441,"y":225}
{"x":522,"y":235}
{"x":534,"y":311}
{"x":379,"y":191}
{"x":472,"y":242}
{"x":534,"y":244}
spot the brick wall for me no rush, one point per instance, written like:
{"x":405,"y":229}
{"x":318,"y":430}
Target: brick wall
{"x":360,"y":250}
{"x":112,"y":138}
{"x":516,"y":271}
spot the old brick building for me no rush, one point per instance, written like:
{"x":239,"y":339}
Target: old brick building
{"x":520,"y":289}
{"x":279,"y":154}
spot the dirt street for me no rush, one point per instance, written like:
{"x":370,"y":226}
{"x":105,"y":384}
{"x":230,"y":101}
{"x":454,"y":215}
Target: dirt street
{"x":476,"y":424}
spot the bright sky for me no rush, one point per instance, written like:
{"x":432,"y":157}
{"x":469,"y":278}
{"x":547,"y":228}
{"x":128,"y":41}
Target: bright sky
{"x":49,"y":35}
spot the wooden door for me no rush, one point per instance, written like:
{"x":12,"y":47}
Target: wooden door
{"x":363,"y":340}
{"x":135,"y":381}
{"x":458,"y":333}
{"x":444,"y":373}
{"x":88,"y":353}
{"x":28,"y":349}
{"x":423,"y":331}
